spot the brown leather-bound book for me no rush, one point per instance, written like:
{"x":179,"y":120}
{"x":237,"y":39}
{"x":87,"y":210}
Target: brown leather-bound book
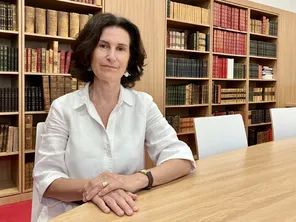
{"x":15,"y":140}
{"x":60,"y":86}
{"x":83,"y":19}
{"x":74,"y":24}
{"x":97,"y":2}
{"x":68,"y":85}
{"x":51,"y":22}
{"x":29,"y":19}
{"x":46,"y":92}
{"x":9,"y":139}
{"x":40,"y":21}
{"x":28,"y":132}
{"x":54,"y":46}
{"x":53,"y":88}
{"x":63,"y":24}
{"x":14,"y":18}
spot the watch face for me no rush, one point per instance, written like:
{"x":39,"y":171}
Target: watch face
{"x":143,"y":171}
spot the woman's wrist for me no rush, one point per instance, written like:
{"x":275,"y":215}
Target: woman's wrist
{"x":140,"y":181}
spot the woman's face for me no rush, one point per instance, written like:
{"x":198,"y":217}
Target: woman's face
{"x":110,"y":57}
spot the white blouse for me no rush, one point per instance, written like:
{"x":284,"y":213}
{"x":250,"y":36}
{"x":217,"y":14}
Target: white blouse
{"x":75,"y":143}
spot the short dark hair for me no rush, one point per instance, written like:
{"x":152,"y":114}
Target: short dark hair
{"x":88,"y":39}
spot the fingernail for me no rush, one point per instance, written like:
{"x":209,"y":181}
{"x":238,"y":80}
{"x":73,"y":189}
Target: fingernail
{"x":121,"y":213}
{"x":130,"y":212}
{"x":135,"y":208}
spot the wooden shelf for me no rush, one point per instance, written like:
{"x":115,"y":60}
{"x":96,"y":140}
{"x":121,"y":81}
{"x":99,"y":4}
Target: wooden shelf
{"x":46,"y":74}
{"x":29,"y":190}
{"x":221,"y":79}
{"x":262,"y":102}
{"x":65,"y":5}
{"x":259,"y":36}
{"x":262,"y":57}
{"x":228,"y":104}
{"x":35,"y":112}
{"x":186,"y":78}
{"x":260,"y":124}
{"x":183,"y":24}
{"x":39,"y":37}
{"x":6,"y":33}
{"x":29,"y":151}
{"x":8,"y":154}
{"x":187,"y":51}
{"x":262,"y":80}
{"x":230,"y":30}
{"x":7,"y":188}
{"x":8,"y":113}
{"x":229,"y":55}
{"x":185,"y":106}
{"x":8,"y":73}
{"x":185,"y":133}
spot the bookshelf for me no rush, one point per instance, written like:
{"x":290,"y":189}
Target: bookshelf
{"x":233,"y":33}
{"x":16,"y":166}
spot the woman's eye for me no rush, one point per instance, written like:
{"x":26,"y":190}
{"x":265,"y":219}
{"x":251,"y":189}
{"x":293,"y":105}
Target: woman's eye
{"x":103,"y":46}
{"x":121,"y":49}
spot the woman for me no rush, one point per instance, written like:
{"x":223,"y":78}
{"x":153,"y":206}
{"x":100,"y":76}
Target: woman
{"x":93,"y":145}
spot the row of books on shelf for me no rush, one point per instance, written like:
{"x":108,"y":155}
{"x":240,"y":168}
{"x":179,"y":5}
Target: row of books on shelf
{"x":257,"y":71}
{"x":9,"y":138}
{"x":37,"y":98}
{"x":183,"y":67}
{"x":229,"y":42}
{"x":230,"y":17}
{"x":187,"y":94}
{"x":181,"y":125}
{"x":8,"y":99}
{"x":8,"y":58}
{"x":228,"y":95}
{"x":260,"y":48}
{"x":259,"y":94}
{"x":226,"y":68}
{"x":29,"y":175}
{"x":264,"y":26}
{"x":188,"y":40}
{"x":8,"y":19}
{"x":257,"y":116}
{"x":187,"y":13}
{"x":94,"y":2}
{"x":30,"y":133}
{"x":52,"y":22}
{"x":256,"y":136}
{"x":44,"y":60}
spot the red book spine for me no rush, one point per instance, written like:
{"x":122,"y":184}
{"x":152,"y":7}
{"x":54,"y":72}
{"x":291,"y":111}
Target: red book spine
{"x":68,"y":60}
{"x":38,"y":60}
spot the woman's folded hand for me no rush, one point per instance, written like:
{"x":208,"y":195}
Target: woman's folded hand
{"x":118,"y":201}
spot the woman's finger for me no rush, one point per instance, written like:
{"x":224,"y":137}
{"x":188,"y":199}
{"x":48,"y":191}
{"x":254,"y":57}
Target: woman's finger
{"x":122,"y":203}
{"x":101,"y":204}
{"x":128,"y":199}
{"x":112,"y":204}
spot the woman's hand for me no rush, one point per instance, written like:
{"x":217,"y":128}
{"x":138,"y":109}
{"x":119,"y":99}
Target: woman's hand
{"x":107,"y":182}
{"x":119,"y":201}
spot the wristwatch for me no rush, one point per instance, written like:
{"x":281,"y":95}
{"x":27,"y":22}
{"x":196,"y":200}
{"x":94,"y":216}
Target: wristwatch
{"x":150,"y":178}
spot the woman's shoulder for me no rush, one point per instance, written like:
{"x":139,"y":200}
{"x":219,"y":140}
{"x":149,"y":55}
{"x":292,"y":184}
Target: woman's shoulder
{"x":140,"y":97}
{"x":69,"y":100}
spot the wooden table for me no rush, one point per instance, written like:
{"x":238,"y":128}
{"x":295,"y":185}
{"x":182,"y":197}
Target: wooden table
{"x":253,"y":184}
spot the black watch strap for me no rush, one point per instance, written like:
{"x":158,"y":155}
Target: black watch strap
{"x":150,"y":178}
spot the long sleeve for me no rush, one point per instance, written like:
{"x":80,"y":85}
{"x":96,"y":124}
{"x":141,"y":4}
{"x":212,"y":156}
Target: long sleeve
{"x":161,"y":139}
{"x":50,"y":163}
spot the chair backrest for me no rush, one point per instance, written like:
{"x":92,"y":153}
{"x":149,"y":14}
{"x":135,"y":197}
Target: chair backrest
{"x":219,"y":134}
{"x":283,"y":123}
{"x":36,"y":206}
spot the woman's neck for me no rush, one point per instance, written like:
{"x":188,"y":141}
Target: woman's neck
{"x":104,"y":92}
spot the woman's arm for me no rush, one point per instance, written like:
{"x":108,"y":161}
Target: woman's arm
{"x":67,"y":190}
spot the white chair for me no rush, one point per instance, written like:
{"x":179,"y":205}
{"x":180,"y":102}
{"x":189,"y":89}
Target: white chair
{"x":219,"y":134}
{"x":283,"y":123}
{"x":36,"y":206}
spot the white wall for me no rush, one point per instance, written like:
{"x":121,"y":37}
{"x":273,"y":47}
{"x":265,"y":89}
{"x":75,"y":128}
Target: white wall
{"x":289,"y":5}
